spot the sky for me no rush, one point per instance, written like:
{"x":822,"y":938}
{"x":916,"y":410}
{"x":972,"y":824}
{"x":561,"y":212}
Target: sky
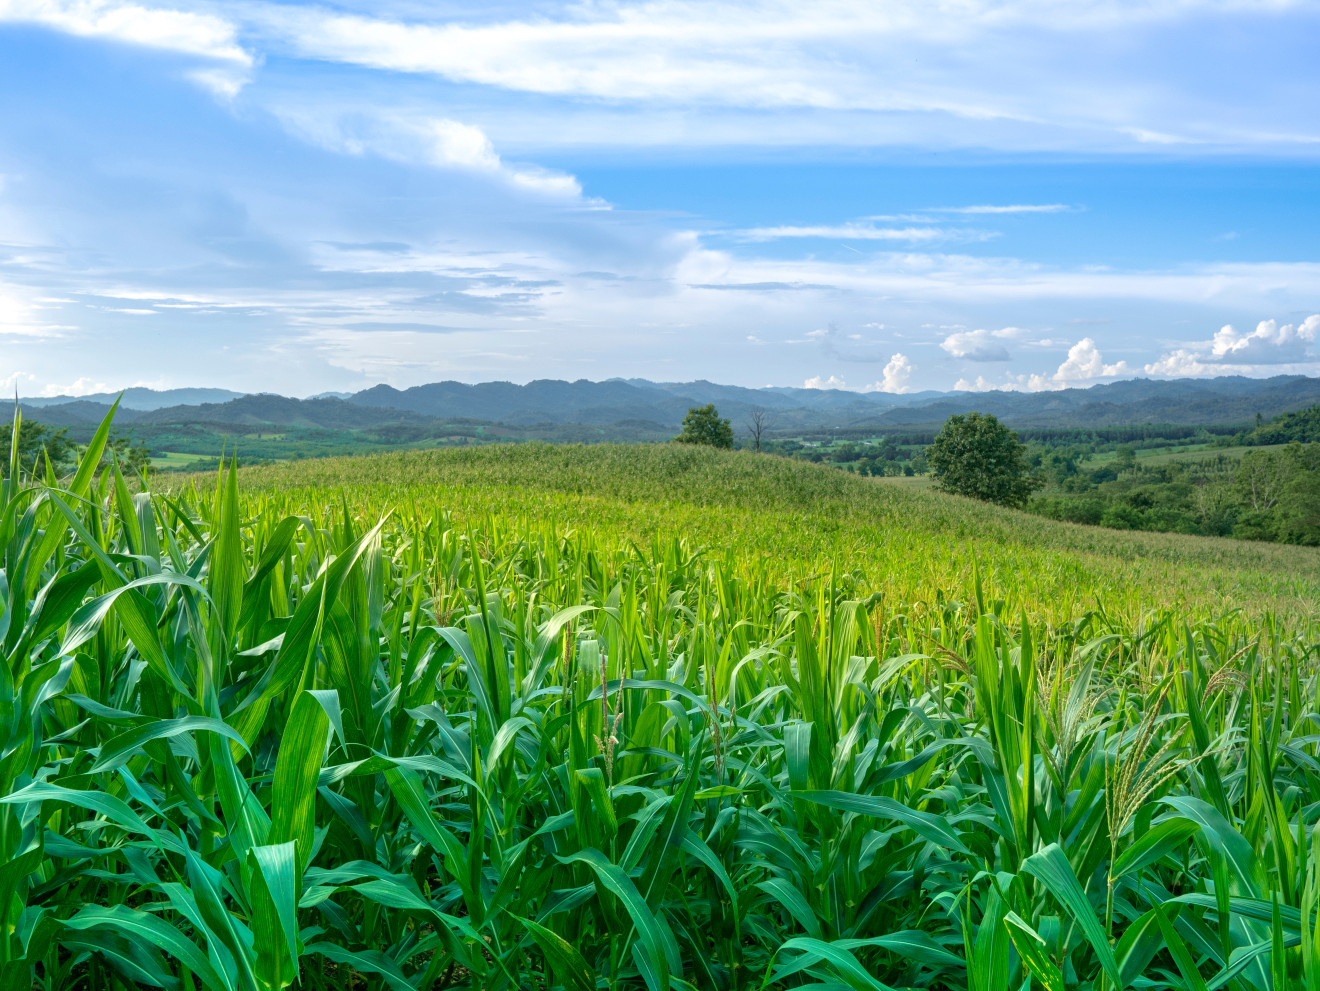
{"x":897,"y":196}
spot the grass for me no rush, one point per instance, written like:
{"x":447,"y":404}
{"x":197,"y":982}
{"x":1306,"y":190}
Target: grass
{"x":641,"y":718}
{"x":1188,"y":452}
{"x":1206,"y":453}
{"x":174,"y":460}
{"x":803,"y":520}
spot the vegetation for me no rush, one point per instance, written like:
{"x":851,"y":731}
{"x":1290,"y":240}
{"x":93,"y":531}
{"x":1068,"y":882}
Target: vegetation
{"x":976,"y":455}
{"x":32,"y":445}
{"x":703,"y":425}
{"x":1301,"y":426}
{"x":496,"y":718}
{"x":189,"y":446}
{"x":1259,"y":493}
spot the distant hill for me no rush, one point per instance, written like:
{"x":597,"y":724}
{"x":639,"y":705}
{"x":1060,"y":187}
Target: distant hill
{"x":139,"y":398}
{"x":542,"y":401}
{"x":1183,"y":401}
{"x":617,"y":409}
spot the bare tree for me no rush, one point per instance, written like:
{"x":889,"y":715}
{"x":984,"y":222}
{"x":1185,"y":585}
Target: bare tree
{"x":758,"y":422}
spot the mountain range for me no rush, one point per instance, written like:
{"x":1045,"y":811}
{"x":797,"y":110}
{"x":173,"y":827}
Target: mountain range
{"x":641,"y":409}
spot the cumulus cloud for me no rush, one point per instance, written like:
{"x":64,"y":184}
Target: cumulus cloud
{"x":819,"y":382}
{"x":894,"y":379}
{"x":1181,"y":363}
{"x":983,"y":384}
{"x":896,"y":376}
{"x":1233,"y":351}
{"x":81,"y":387}
{"x":1084,"y":363}
{"x":978,"y":345}
{"x":1269,"y":343}
{"x":10,"y":383}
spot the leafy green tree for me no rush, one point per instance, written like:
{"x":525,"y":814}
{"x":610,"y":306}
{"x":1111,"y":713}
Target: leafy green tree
{"x":1125,"y":457}
{"x":1299,"y":506}
{"x":703,"y":425}
{"x":132,"y":457}
{"x":38,"y":441}
{"x":976,"y":455}
{"x":33,"y":439}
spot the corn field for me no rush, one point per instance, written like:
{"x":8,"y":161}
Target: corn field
{"x":262,"y":739}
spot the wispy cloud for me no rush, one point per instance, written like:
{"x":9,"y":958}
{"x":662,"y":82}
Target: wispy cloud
{"x":908,"y":72}
{"x":842,"y":57}
{"x":204,"y":35}
{"x":420,"y":139}
{"x":22,"y":315}
{"x":1012,"y":208}
{"x":864,"y":232}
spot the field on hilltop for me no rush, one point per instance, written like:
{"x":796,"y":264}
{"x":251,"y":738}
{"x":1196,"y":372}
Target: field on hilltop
{"x":800,"y":519}
{"x":647,"y":717}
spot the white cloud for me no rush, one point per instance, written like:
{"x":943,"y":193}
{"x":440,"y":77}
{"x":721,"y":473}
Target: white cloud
{"x":1085,"y":362}
{"x":465,"y":146}
{"x":21,"y":316}
{"x":1023,"y":73}
{"x":9,"y":384}
{"x":82,"y":387}
{"x":1012,"y":208}
{"x":224,"y":82}
{"x":153,"y":27}
{"x":775,"y":51}
{"x":1268,"y":343}
{"x":420,"y":139}
{"x":897,"y":375}
{"x":981,"y":384}
{"x":1181,"y":363}
{"x":959,"y":278}
{"x":862,"y":232}
{"x":978,"y":345}
{"x":817,"y":382}
{"x":203,"y":35}
{"x":1231,"y":351}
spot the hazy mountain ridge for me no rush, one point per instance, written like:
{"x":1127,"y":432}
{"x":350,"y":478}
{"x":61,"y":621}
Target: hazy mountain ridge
{"x":140,"y":398}
{"x":661,"y":405}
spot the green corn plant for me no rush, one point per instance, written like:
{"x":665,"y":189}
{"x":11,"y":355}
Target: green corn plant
{"x":535,"y":719}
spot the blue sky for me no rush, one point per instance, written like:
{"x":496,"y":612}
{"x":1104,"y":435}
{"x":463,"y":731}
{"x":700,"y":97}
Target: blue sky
{"x":901,"y":196}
